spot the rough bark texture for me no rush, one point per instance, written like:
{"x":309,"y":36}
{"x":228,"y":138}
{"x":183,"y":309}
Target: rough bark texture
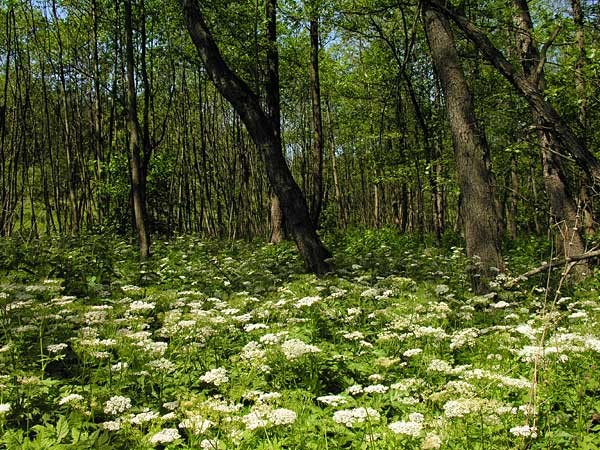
{"x":552,"y":120}
{"x":137,"y":178}
{"x":273,"y":109}
{"x":315,"y":95}
{"x":562,"y":204}
{"x":262,"y":131}
{"x":480,"y":221}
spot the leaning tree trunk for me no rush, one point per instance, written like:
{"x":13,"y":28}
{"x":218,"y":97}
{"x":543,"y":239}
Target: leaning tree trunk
{"x":480,"y":220}
{"x":262,"y":129}
{"x":563,"y":207}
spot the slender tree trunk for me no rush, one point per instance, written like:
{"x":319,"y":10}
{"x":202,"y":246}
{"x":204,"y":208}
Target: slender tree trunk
{"x":315,"y":95}
{"x":582,"y":98}
{"x":263,"y":132}
{"x":471,"y":152}
{"x":562,"y":204}
{"x":135,"y":142}
{"x":71,"y":163}
{"x":334,"y":170}
{"x":273,"y":110}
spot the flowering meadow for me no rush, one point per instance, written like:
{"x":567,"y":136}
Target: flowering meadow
{"x":232,"y":346}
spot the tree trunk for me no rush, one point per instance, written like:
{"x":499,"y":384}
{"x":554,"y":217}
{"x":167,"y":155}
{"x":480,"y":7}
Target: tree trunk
{"x":274,"y":110}
{"x":315,"y":95}
{"x":551,"y":119}
{"x":263,"y":132}
{"x":562,"y":204}
{"x":480,"y":221}
{"x":135,"y":142}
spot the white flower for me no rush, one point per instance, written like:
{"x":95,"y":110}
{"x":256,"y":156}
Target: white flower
{"x":350,"y":417}
{"x":412,"y":352}
{"x":355,"y":389}
{"x":282,"y":416}
{"x":524,"y":431}
{"x":143,"y":417}
{"x":255,"y":420}
{"x":441,"y":289}
{"x":71,"y":398}
{"x":171,"y":406}
{"x":439,"y":365}
{"x":407,"y":428}
{"x":55,"y":348}
{"x":215,"y":376}
{"x":375,"y":389}
{"x":307,"y":301}
{"x":431,"y":442}
{"x":4,"y":408}
{"x":369,"y":293}
{"x":255,"y":326}
{"x":196,"y":424}
{"x":209,"y":444}
{"x":295,"y":348}
{"x":112,"y":425}
{"x":165,"y":436}
{"x":501,"y":304}
{"x":139,"y":305}
{"x":416,"y":417}
{"x":457,"y":408}
{"x":464,"y":338}
{"x":162,"y":365}
{"x":252,"y":351}
{"x":332,"y":400}
{"x":117,"y":404}
{"x":578,"y":315}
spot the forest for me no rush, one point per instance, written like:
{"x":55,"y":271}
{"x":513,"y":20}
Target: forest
{"x":299,"y":224}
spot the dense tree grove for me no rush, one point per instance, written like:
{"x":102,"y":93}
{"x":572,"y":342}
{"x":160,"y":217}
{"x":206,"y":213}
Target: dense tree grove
{"x":479,"y":119}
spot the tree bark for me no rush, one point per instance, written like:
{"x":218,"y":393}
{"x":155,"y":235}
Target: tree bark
{"x":263,"y":132}
{"x":315,"y":95}
{"x":135,"y":142}
{"x":551,"y":119}
{"x":562,"y":204}
{"x":480,"y":221}
{"x":274,"y":109}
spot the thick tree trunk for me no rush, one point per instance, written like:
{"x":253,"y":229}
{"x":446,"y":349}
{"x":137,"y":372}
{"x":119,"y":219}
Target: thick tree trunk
{"x":480,"y":221}
{"x":135,"y":143}
{"x":562,"y":204}
{"x":263,"y":132}
{"x":551,"y":119}
{"x":315,"y":95}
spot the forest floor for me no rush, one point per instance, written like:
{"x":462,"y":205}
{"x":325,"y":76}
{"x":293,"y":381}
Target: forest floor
{"x":231,"y":346}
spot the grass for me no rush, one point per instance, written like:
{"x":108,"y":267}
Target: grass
{"x":230,"y":345}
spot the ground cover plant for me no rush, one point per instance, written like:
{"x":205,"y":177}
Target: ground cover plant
{"x":213,"y":345}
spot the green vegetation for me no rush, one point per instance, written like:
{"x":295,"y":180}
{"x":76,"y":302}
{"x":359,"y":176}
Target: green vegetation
{"x":214,"y":345}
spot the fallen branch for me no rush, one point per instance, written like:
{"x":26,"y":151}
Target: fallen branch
{"x":560,"y":262}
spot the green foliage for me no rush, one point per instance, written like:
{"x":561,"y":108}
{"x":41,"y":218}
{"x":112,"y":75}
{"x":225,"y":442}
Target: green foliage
{"x":231,"y":342}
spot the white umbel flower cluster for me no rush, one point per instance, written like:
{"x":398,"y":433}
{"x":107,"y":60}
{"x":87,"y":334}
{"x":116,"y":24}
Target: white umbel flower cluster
{"x":71,"y":398}
{"x":196,"y":424}
{"x":165,"y":436}
{"x":264,"y":417}
{"x":295,"y":348}
{"x":407,"y":428}
{"x":350,"y":417}
{"x":524,"y":431}
{"x":117,"y":404}
{"x":215,"y":376}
